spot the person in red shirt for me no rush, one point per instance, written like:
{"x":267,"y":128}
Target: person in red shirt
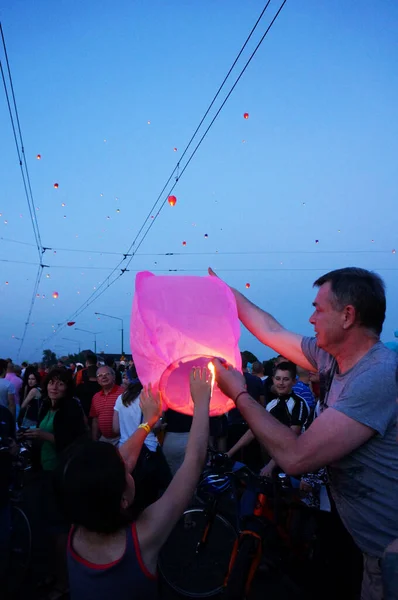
{"x":102,"y":405}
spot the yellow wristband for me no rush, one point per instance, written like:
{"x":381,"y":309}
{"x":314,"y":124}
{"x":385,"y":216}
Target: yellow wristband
{"x":145,"y":426}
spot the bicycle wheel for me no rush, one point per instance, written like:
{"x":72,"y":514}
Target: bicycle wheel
{"x":20,"y":548}
{"x":243,"y":567}
{"x":202,"y":574}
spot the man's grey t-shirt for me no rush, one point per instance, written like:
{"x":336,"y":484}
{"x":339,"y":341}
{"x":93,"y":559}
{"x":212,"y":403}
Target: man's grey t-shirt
{"x":364,"y":484}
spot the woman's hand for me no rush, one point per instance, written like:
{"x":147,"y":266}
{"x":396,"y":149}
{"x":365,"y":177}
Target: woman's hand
{"x":267,"y":470}
{"x":200,"y":381}
{"x":38,"y":434}
{"x":305,"y":487}
{"x":151,"y":406}
{"x":229,"y":380}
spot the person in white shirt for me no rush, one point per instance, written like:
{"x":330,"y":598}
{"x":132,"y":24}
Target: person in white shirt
{"x":151,"y":474}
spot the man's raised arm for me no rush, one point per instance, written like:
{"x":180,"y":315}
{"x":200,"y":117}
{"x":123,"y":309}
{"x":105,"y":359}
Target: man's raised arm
{"x":269,"y":331}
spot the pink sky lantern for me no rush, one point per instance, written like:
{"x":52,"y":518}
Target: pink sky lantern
{"x":179,"y":322}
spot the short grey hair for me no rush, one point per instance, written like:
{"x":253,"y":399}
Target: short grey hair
{"x":112,"y":372}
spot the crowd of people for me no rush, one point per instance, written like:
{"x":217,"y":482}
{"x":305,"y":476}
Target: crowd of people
{"x":114,"y":473}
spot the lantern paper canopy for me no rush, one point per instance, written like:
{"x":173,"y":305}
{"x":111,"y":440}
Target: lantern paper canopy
{"x":56,"y":186}
{"x":55,"y":295}
{"x":245,"y":115}
{"x":180,"y":322}
{"x":247,"y":285}
{"x":172,"y":200}
{"x":38,"y":156}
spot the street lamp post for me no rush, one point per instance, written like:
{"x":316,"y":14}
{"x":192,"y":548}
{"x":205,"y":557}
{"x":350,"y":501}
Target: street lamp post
{"x":74,"y":341}
{"x":94,"y":333}
{"x":122,"y":329}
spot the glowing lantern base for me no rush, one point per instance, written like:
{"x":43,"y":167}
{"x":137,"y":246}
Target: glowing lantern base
{"x":180,"y":322}
{"x":174,"y":386}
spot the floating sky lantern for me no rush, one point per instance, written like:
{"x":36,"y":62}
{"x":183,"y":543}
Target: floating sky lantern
{"x":394,"y":251}
{"x":55,"y":295}
{"x":247,"y":285}
{"x":56,"y":185}
{"x":175,"y":149}
{"x":38,"y":156}
{"x":179,"y":322}
{"x":317,"y":241}
{"x":206,"y":235}
{"x":172,"y":200}
{"x":6,"y":282}
{"x":118,"y":210}
{"x":245,"y":115}
{"x":184,"y":243}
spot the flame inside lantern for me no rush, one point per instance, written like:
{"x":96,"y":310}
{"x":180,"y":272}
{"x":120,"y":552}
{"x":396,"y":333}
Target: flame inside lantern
{"x":212,"y":370}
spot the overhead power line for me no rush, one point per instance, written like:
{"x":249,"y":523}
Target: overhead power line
{"x":32,"y":302}
{"x":20,"y":146}
{"x":199,"y":253}
{"x":24,"y":173}
{"x":117,"y":272}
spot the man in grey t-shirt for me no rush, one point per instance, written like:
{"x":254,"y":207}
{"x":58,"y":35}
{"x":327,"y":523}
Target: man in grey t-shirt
{"x":355,"y":433}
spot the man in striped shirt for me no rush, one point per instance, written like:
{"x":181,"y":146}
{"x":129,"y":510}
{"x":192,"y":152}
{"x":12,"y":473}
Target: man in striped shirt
{"x":302,"y":387}
{"x":102,"y":406}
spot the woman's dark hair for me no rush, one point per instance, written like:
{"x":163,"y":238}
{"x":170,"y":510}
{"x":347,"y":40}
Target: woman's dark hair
{"x":364,"y":290}
{"x":134,"y":388}
{"x":3,"y":366}
{"x":61,"y":374}
{"x":25,"y":385}
{"x":91,"y":487}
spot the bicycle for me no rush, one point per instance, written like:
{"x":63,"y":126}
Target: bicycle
{"x":209,"y":553}
{"x":20,"y":539}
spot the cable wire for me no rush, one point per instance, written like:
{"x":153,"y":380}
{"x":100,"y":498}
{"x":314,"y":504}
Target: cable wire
{"x":107,"y":282}
{"x":32,"y":302}
{"x":205,"y":253}
{"x":20,"y":151}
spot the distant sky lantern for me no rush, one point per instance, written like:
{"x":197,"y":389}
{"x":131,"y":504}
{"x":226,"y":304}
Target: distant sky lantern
{"x":184,"y":243}
{"x":48,"y":275}
{"x":6,"y":282}
{"x":317,"y":241}
{"x":172,"y":200}
{"x":247,"y":285}
{"x":206,"y":235}
{"x":166,"y":343}
{"x":56,"y":185}
{"x":63,"y":204}
{"x":175,"y":149}
{"x":55,"y":295}
{"x":245,"y":115}
{"x":118,"y":210}
{"x":394,"y":251}
{"x":38,"y":156}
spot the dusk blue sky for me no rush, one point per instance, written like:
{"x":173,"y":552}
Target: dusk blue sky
{"x":316,"y":160}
